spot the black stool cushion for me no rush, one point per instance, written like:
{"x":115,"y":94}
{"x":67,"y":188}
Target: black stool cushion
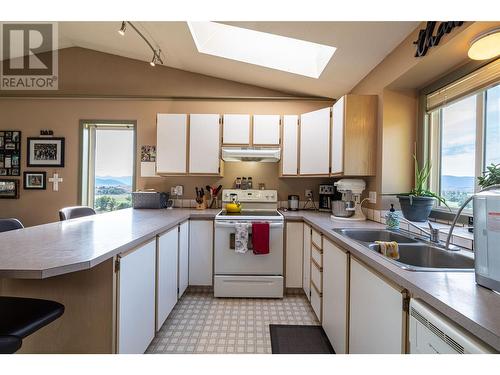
{"x":9,"y":344}
{"x":23,"y":316}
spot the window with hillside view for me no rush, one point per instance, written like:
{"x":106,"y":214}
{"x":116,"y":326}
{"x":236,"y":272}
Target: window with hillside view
{"x":108,"y":165}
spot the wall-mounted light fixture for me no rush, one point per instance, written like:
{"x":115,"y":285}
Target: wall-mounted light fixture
{"x":486,"y":45}
{"x":157,"y":59}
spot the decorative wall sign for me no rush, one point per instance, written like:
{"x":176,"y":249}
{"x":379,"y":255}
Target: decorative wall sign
{"x":9,"y":189}
{"x":10,"y":153}
{"x":45,"y":152}
{"x":55,"y":180}
{"x":427,"y":40}
{"x":35,"y":180}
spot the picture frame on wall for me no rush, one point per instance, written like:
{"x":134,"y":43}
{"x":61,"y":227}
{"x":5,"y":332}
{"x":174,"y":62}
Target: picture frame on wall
{"x":45,"y":152}
{"x":9,"y":188}
{"x":35,"y":180}
{"x":10,"y":152}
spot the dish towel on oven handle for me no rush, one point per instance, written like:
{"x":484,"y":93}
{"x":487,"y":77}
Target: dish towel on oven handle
{"x":260,"y":238}
{"x":241,"y":238}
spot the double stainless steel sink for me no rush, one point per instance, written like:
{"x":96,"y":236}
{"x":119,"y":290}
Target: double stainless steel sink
{"x":415,"y":254}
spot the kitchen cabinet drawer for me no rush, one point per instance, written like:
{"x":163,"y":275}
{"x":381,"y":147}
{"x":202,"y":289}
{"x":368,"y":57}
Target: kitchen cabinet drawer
{"x":317,"y":255}
{"x":316,"y":302}
{"x":317,"y":276}
{"x":316,"y":239}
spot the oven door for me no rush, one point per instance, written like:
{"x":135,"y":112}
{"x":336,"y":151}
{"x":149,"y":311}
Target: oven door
{"x":229,"y":262}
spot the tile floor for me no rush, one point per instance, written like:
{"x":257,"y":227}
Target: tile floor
{"x":200,"y":323}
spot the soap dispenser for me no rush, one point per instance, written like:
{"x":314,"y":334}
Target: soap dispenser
{"x":392,"y":219}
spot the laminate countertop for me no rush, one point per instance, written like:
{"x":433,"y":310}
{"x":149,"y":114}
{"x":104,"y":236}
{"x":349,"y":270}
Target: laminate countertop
{"x":63,"y":247}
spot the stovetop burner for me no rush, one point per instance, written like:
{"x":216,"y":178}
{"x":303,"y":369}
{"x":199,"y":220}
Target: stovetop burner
{"x":250,"y":213}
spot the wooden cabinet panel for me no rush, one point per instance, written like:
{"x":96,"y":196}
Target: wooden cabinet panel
{"x":306,"y":270}
{"x":236,"y":129}
{"x":183,"y":257}
{"x":266,"y":130}
{"x":201,"y":240}
{"x":171,"y":143}
{"x":315,"y":142}
{"x":376,"y":318}
{"x":338,"y":137}
{"x":290,"y":146}
{"x":204,"y":143}
{"x":335,"y":295}
{"x":136,"y":299}
{"x":294,"y":253}
{"x":166,"y":278}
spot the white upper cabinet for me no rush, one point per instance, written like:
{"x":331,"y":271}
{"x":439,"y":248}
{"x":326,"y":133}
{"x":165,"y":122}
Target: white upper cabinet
{"x":315,"y":142}
{"x":290,"y":146}
{"x":338,"y":136}
{"x":236,"y":129}
{"x":204,"y":143}
{"x":266,"y":130}
{"x":171,"y":143}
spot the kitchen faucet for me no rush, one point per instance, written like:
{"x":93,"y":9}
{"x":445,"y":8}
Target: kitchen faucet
{"x":433,"y":233}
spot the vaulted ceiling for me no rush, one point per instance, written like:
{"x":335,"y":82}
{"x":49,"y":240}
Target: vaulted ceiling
{"x":360,"y":47}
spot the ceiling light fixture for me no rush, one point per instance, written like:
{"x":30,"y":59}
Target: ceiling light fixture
{"x":486,"y":45}
{"x":157,"y":59}
{"x":122,"y":29}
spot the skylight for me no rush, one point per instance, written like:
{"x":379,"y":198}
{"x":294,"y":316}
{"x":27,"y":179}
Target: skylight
{"x":254,"y":47}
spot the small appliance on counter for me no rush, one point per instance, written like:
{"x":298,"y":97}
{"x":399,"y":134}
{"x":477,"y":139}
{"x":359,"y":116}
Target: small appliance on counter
{"x":349,"y":208}
{"x":293,"y":202}
{"x":151,"y":199}
{"x":487,"y":238}
{"x":327,"y":194}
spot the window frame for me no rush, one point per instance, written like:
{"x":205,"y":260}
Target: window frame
{"x":434,"y":141}
{"x":88,"y":129}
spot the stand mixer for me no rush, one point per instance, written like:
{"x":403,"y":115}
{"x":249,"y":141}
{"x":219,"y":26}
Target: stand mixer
{"x":351,"y":190}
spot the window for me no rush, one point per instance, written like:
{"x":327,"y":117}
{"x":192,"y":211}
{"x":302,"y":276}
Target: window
{"x":464,"y":138}
{"x":108,"y":165}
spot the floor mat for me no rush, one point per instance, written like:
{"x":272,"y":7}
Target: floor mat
{"x":299,"y":339}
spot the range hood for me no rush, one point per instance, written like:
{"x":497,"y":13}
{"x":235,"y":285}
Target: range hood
{"x":270,"y":155}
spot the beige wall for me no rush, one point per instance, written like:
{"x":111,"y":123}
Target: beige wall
{"x":62,"y":115}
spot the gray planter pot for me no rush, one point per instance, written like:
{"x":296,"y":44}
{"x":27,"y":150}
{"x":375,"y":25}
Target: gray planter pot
{"x":416,"y":208}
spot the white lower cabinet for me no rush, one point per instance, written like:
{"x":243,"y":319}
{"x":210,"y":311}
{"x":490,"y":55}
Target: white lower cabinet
{"x":294,"y":254}
{"x":376,"y":321}
{"x":166,"y":275}
{"x":136,"y":299}
{"x":335,"y":295}
{"x":201,"y":251}
{"x":183,"y":257}
{"x":306,"y":267}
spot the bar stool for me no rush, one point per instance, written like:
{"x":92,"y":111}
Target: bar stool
{"x":20,"y":317}
{"x":74,"y":212}
{"x":9,"y":344}
{"x":10,"y":224}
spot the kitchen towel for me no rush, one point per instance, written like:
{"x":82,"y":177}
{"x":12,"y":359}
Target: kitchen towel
{"x":241,"y":238}
{"x":260,"y":238}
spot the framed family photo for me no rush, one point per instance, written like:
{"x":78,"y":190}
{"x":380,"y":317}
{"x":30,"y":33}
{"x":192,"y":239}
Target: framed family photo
{"x":9,"y":189}
{"x":45,"y":152}
{"x":10,"y":152}
{"x":35,"y":180}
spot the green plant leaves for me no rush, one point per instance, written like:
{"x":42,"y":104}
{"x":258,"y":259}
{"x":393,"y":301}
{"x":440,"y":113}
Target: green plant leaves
{"x":490,"y":177}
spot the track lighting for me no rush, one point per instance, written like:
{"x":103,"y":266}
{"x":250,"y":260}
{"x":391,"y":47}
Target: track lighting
{"x":156,"y":58}
{"x":122,"y":29}
{"x":156,"y":52}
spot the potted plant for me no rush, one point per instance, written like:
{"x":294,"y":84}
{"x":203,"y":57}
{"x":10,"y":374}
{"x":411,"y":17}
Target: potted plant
{"x":490,"y":177}
{"x":417,"y":204}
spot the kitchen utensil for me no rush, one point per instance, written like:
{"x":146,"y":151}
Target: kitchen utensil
{"x":233,"y":206}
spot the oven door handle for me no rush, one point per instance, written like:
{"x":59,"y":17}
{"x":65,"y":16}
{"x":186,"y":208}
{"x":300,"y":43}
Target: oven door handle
{"x":232,"y":224}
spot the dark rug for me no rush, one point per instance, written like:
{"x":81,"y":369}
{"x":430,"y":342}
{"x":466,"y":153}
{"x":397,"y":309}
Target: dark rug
{"x":297,"y":339}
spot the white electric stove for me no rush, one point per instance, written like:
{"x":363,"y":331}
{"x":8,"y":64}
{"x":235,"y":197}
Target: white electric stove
{"x":249,"y":275}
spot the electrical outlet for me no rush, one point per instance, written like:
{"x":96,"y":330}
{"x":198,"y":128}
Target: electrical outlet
{"x":372,"y":197}
{"x":309,"y":193}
